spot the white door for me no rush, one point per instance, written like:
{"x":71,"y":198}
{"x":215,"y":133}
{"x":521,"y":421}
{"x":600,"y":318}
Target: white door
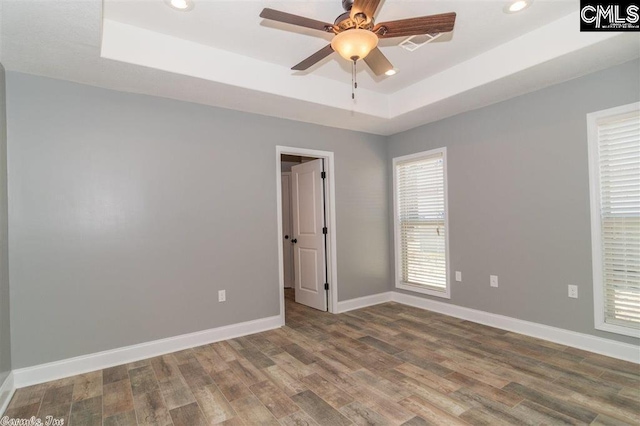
{"x":287,"y":230}
{"x":308,"y":221}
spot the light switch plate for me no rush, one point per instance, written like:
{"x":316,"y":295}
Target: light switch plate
{"x":459,"y":276}
{"x":573,"y":291}
{"x":222,"y":295}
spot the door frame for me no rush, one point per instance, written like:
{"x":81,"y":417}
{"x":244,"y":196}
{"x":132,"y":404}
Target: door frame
{"x":289,"y":174}
{"x":330,"y":201}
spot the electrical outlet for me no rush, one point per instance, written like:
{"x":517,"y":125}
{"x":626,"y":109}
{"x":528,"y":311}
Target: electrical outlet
{"x":493,"y":280}
{"x":222,"y":296}
{"x":459,"y":276}
{"x":573,"y":291}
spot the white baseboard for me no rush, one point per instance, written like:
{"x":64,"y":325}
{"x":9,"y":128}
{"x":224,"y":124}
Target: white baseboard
{"x":69,"y":367}
{"x":363,"y":302}
{"x":97,"y":361}
{"x":6,"y":392}
{"x":612,"y":348}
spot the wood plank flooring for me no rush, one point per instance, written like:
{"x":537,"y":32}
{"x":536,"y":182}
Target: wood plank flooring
{"x":385,"y":365}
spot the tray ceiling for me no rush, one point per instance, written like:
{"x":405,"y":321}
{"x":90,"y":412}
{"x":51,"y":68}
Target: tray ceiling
{"x":221,"y":53}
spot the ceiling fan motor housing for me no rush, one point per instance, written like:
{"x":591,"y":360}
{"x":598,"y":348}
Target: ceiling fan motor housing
{"x":346,"y":22}
{"x":347,"y":4}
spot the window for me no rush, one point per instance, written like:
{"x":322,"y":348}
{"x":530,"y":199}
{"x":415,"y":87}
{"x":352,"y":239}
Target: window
{"x":420,"y":216}
{"x":614,"y":168}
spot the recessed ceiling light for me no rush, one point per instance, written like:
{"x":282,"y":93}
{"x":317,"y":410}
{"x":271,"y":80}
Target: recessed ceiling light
{"x":182,"y":5}
{"x":391,"y":72}
{"x":517,"y":6}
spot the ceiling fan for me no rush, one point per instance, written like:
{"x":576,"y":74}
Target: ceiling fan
{"x":356,"y":33}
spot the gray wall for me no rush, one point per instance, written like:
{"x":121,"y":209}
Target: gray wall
{"x":128,"y":213}
{"x":5,"y":335}
{"x":127,"y":216}
{"x":519,"y":198}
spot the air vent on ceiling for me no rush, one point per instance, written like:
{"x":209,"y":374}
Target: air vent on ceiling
{"x":414,"y":42}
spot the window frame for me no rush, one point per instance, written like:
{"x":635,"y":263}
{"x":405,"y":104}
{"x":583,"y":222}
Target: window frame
{"x":396,"y":225}
{"x":596,"y":229}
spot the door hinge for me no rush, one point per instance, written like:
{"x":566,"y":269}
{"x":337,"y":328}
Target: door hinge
{"x":323,"y":175}
{"x":326,"y":286}
{"x":325,"y":230}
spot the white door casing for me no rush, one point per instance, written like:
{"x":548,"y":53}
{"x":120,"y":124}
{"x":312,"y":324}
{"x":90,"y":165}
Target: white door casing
{"x":330,"y":203}
{"x":287,"y":230}
{"x":308,"y":221}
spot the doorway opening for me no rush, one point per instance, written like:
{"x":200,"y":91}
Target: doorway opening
{"x":306,"y":228}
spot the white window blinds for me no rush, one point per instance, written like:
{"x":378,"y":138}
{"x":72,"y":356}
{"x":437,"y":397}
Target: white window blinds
{"x":619,"y":183}
{"x":421,"y":222}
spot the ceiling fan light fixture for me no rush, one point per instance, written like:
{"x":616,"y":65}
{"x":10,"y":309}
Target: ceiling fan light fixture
{"x":391,"y":72}
{"x":354,"y":44}
{"x":181,"y":5}
{"x":517,"y":6}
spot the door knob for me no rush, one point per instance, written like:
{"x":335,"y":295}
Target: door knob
{"x":295,"y":240}
{"x":286,"y":237}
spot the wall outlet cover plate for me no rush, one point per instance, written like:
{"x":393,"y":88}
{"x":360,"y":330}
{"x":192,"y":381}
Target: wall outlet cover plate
{"x":493,"y":280}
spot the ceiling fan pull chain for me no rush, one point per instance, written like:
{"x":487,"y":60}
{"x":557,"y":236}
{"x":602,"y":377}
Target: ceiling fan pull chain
{"x":354,"y":83}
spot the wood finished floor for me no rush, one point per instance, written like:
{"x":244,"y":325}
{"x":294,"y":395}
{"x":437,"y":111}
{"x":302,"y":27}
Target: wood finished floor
{"x":385,"y":365}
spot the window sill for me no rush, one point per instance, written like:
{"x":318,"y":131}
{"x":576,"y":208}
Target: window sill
{"x":618,"y":329}
{"x":418,"y":289}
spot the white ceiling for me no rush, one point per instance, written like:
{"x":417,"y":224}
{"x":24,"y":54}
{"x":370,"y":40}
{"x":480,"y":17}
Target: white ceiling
{"x":236,"y":26}
{"x":221,"y":53}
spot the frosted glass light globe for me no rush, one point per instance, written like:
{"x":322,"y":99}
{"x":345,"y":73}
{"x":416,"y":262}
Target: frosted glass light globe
{"x":354,"y":44}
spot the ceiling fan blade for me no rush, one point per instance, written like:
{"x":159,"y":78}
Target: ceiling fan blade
{"x":433,"y":24}
{"x":314,"y":59}
{"x":378,"y":63}
{"x":301,"y":21}
{"x":368,"y":7}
